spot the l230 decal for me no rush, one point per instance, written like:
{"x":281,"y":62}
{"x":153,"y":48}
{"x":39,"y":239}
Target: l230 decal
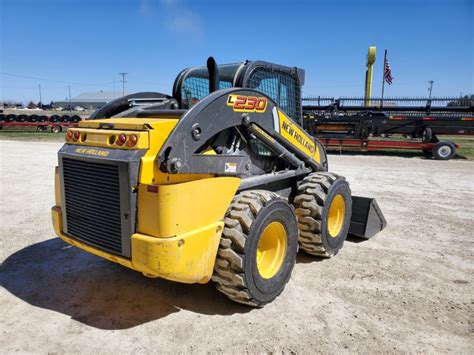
{"x":240,"y":103}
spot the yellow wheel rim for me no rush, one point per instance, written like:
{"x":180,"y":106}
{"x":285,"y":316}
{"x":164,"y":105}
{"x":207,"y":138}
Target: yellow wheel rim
{"x":271,"y":250}
{"x":337,"y":210}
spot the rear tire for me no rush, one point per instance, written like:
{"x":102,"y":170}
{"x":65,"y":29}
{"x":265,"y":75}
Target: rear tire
{"x":444,"y":151}
{"x":56,"y":129}
{"x":258,"y":248}
{"x":426,"y":135}
{"x":324,"y":209}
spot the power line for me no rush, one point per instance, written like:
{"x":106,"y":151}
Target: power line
{"x":54,"y":81}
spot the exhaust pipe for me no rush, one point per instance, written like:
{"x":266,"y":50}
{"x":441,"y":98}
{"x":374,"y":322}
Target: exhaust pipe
{"x":213,"y":74}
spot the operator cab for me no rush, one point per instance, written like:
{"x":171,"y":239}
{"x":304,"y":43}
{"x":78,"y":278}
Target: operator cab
{"x":282,"y":84}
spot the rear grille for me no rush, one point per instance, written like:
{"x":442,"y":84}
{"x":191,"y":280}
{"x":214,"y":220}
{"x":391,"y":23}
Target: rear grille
{"x":92,"y":199}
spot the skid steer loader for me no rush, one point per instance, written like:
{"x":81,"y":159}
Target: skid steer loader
{"x":216,"y":182}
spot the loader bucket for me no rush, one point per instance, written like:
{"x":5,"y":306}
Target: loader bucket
{"x":367,"y":217}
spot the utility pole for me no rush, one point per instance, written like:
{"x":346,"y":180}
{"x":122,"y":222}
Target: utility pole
{"x":430,"y":89}
{"x":123,"y":82}
{"x":41,"y":101}
{"x":69,"y":89}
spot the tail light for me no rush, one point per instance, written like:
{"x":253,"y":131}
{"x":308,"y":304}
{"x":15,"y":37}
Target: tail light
{"x":121,"y":139}
{"x":76,"y":136}
{"x":132,"y":140}
{"x":68,"y":136}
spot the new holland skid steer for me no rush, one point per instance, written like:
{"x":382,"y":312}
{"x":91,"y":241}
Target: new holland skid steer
{"x":216,"y":182}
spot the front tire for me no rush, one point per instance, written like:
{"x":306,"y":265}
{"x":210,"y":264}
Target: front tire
{"x":258,"y":248}
{"x":56,"y":129}
{"x":324,"y":209}
{"x":444,"y":150}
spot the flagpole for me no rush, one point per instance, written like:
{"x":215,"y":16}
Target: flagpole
{"x":383,"y":77}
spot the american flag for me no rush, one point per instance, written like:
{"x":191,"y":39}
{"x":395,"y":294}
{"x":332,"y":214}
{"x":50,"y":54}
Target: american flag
{"x":388,"y":73}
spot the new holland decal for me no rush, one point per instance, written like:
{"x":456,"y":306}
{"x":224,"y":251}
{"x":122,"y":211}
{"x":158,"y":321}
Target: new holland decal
{"x":90,"y":151}
{"x":240,"y":103}
{"x":295,"y":135}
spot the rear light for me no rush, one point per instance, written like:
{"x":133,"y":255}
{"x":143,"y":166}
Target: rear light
{"x":76,"y":136}
{"x":68,"y":136}
{"x":121,"y":139}
{"x":132,"y":140}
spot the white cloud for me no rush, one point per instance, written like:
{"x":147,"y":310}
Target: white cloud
{"x":176,"y":17}
{"x":185,"y":23}
{"x":145,"y":8}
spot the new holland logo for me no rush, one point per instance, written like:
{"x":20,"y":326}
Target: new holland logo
{"x":240,"y":103}
{"x":90,"y":151}
{"x":298,"y":136}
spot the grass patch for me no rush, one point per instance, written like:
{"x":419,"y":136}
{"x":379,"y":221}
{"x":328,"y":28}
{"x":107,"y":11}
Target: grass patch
{"x":30,"y":134}
{"x":466,"y":143}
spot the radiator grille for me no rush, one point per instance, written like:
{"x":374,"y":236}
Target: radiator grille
{"x":92,"y":196}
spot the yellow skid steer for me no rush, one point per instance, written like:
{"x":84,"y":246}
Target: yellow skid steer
{"x":216,"y":182}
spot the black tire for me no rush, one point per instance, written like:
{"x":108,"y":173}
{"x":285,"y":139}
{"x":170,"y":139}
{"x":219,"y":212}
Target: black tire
{"x":22,"y":118}
{"x":2,"y":117}
{"x":66,"y":118}
{"x":33,"y":118}
{"x":56,"y":129}
{"x":426,"y":135}
{"x":43,"y":118}
{"x":316,"y":194}
{"x":11,"y":118}
{"x":444,"y":150}
{"x":54,"y":118}
{"x":236,"y":271}
{"x":75,"y":118}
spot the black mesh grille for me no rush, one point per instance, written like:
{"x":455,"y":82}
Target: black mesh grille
{"x":280,"y":87}
{"x":92,"y":194}
{"x":195,"y":89}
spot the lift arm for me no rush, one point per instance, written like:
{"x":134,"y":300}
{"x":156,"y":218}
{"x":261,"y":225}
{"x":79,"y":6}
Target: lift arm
{"x":227,"y":108}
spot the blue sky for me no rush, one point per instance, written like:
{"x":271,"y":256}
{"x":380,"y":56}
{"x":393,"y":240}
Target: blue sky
{"x":87,"y":43}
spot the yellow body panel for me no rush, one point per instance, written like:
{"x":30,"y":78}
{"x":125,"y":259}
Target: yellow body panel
{"x":188,"y":257}
{"x":150,"y":173}
{"x":167,"y":210}
{"x":299,"y":138}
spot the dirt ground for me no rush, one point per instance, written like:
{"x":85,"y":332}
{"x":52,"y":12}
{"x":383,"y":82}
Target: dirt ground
{"x":409,"y":289}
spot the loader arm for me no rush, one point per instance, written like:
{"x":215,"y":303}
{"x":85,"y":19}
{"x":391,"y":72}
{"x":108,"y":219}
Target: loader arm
{"x":234,"y":108}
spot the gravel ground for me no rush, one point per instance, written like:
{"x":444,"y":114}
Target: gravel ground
{"x":409,"y":289}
